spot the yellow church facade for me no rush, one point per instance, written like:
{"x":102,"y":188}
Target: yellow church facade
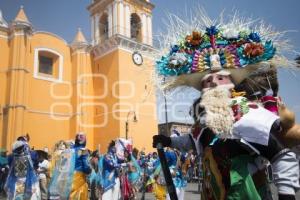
{"x":51,"y":90}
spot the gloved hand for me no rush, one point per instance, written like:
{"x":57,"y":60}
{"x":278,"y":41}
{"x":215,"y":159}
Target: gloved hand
{"x":123,"y":164}
{"x":164,"y":140}
{"x":117,"y":165}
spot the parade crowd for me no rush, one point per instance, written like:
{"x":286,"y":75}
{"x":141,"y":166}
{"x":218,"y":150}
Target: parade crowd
{"x":73,"y":172}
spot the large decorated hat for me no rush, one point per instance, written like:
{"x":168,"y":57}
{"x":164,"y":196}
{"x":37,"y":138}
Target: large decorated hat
{"x":240,"y":47}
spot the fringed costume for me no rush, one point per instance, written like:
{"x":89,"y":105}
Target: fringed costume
{"x":108,"y":174}
{"x":70,"y":172}
{"x":22,"y":181}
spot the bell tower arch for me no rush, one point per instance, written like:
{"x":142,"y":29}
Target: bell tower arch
{"x":129,"y":18}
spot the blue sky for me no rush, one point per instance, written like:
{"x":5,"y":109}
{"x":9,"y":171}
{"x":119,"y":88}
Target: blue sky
{"x":63,"y":17}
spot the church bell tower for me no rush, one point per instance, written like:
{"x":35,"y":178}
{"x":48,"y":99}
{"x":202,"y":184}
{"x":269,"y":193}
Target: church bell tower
{"x":122,"y":45}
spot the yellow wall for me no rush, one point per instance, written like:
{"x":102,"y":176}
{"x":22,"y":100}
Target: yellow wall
{"x":106,"y":74}
{"x":16,"y":84}
{"x":45,"y":97}
{"x":126,"y":92}
{"x":139,"y":93}
{"x":34,"y":94}
{"x":4,"y":52}
{"x":82,"y":101}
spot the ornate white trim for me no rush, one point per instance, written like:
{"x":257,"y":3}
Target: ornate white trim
{"x":92,"y":20}
{"x":115,"y":17}
{"x":16,"y":34}
{"x":4,"y":36}
{"x":10,"y":106}
{"x":96,"y":30}
{"x":144,"y":28}
{"x":110,"y":20}
{"x":36,"y":65}
{"x":121,"y":42}
{"x":83,"y":52}
{"x":99,"y":54}
{"x":121,"y":17}
{"x":80,"y":46}
{"x":149,"y":32}
{"x":27,"y":26}
{"x":127,"y":20}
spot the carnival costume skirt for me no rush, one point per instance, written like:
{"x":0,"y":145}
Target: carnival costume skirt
{"x":79,"y":189}
{"x":159,"y":191}
{"x":113,"y":193}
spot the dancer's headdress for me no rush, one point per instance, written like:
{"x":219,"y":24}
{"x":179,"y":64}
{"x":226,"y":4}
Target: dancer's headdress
{"x":193,"y":49}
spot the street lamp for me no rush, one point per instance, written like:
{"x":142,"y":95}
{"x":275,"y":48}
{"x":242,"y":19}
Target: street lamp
{"x":127,"y":122}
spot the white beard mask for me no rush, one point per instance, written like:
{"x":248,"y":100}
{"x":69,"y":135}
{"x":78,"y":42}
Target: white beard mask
{"x":219,"y":116}
{"x":228,"y":87}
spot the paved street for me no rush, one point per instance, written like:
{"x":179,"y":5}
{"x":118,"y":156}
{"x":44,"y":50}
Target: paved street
{"x":191,"y":193}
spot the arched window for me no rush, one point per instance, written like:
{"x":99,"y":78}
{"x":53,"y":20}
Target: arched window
{"x":103,"y":26}
{"x":135,"y":27}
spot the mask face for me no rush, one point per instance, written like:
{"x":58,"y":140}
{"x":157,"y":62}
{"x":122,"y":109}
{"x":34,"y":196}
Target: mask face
{"x":62,"y":146}
{"x":216,"y":79}
{"x":154,"y":156}
{"x":81,"y":138}
{"x":19,"y":150}
{"x":112,"y":149}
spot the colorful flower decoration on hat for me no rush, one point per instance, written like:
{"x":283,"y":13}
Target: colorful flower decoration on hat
{"x":215,"y":49}
{"x":178,"y":62}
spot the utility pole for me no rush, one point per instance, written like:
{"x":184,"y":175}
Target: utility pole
{"x":166,"y":111}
